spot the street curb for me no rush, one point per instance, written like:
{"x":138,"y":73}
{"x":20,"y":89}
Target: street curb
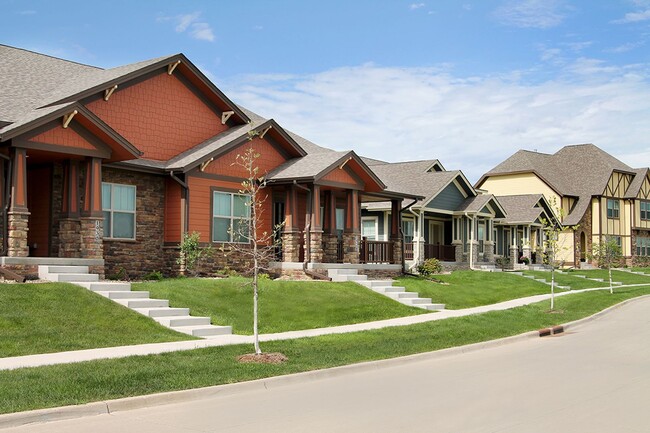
{"x":129,"y":403}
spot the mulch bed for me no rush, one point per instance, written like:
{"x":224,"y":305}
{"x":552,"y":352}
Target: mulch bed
{"x":263,"y":358}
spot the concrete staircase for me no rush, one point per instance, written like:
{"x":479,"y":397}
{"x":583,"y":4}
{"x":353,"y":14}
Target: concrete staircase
{"x":385,"y":287}
{"x":178,"y":319}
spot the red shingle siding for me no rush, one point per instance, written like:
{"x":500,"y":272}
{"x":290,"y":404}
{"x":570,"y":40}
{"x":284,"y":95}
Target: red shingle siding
{"x":269,"y":159}
{"x":160,"y":116}
{"x":63,"y":137}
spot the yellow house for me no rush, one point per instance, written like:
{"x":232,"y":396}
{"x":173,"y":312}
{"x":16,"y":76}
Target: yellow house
{"x":603,"y":196}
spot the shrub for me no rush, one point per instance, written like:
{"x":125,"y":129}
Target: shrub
{"x":191,"y":252}
{"x":153,"y":276}
{"x":430,"y":267}
{"x":502,"y":262}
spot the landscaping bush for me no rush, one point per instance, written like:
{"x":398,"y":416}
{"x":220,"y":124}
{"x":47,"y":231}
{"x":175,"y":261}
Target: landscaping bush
{"x":430,"y":267}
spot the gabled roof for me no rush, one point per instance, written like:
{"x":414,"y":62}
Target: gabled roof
{"x":580,"y":171}
{"x":635,"y":186}
{"x":478,"y":203}
{"x":524,"y":208}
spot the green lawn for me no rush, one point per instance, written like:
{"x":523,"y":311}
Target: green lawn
{"x":51,"y":386}
{"x":56,"y":317}
{"x":621,"y":276}
{"x":467,"y":289}
{"x":642,"y":269}
{"x":283,"y":305}
{"x":567,"y":279}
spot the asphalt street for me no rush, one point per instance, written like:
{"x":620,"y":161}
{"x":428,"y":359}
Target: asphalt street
{"x":595,"y":378}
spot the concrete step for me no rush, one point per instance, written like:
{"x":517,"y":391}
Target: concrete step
{"x":402,"y":295}
{"x":532,"y":277}
{"x":616,"y":283}
{"x":563,"y":287}
{"x":73,"y":278}
{"x":44,"y":270}
{"x":541,"y":280}
{"x":415,"y":301}
{"x":104,"y":286}
{"x":175,"y":321}
{"x":389,"y":289}
{"x":349,"y":277}
{"x":334,"y":272}
{"x":164,"y":311}
{"x":122,"y":294}
{"x":377,"y":283}
{"x":580,"y":276}
{"x":143,"y":303}
{"x":204,"y":331}
{"x":600,"y":280}
{"x":435,"y":306}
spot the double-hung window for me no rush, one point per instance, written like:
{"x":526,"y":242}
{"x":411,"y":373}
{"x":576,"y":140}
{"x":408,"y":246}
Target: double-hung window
{"x":408,"y":227}
{"x":644,"y":207}
{"x":118,"y":205}
{"x":613,"y":208}
{"x":369,"y":228}
{"x":230,"y":217}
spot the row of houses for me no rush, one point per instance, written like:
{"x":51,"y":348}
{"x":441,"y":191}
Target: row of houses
{"x":114,"y":166}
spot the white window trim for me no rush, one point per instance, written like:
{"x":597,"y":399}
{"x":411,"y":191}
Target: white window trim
{"x":111,"y":211}
{"x":376,"y":221}
{"x":231,"y":217}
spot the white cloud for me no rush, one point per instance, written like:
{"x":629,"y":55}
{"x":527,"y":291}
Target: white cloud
{"x":197,"y":29}
{"x":633,"y":17}
{"x":414,"y":6}
{"x":625,"y":47}
{"x":539,"y":14}
{"x":469,"y":123}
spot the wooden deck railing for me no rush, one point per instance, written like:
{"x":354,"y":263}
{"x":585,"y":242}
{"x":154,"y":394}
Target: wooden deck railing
{"x":376,"y":252}
{"x":446,"y":253}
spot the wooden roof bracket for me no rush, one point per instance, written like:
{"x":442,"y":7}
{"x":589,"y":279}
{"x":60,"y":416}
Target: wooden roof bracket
{"x":68,"y":118}
{"x":205,"y":164}
{"x":225,"y":116}
{"x":109,"y":92}
{"x":265,"y":131}
{"x":172,"y":66}
{"x":344,"y":162}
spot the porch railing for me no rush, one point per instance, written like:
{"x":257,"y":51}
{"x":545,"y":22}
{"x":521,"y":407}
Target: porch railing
{"x":339,"y":251}
{"x":376,"y":251}
{"x":446,"y":253}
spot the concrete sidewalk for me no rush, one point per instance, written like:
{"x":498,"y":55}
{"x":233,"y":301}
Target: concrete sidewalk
{"x":225,"y":340}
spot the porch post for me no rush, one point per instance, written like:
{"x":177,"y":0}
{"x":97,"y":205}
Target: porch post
{"x":488,"y":244}
{"x":69,"y":225}
{"x":525,"y":247}
{"x":352,"y":233}
{"x":459,"y":248}
{"x":18,"y":215}
{"x":316,"y":241}
{"x":514,"y":249}
{"x":92,"y":217}
{"x":290,"y":234}
{"x":330,"y":238}
{"x":395,"y":232}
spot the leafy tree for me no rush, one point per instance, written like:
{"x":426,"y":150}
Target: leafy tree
{"x":554,"y":244}
{"x":607,"y":253}
{"x":191,"y":252}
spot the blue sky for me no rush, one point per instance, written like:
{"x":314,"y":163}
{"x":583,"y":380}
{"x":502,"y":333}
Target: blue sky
{"x":467,"y":82}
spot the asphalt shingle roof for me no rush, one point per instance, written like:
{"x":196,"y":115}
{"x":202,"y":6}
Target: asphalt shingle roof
{"x":521,"y":208}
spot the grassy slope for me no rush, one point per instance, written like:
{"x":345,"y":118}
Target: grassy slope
{"x":56,"y":317}
{"x":564,"y":279}
{"x":471,"y":288}
{"x":284,"y":305}
{"x":92,"y":381}
{"x":621,"y":276}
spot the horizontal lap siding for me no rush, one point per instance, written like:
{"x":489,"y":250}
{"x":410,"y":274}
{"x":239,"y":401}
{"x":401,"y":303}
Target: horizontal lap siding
{"x":160,"y":116}
{"x":173,"y":211}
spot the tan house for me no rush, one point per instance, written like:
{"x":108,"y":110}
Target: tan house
{"x":603,"y":196}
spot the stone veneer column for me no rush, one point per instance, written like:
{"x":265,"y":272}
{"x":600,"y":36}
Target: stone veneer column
{"x":475,"y":246}
{"x":525,"y":251}
{"x":17,"y":234}
{"x":397,"y":251}
{"x":290,"y":246}
{"x":514,"y":256}
{"x":351,"y":247}
{"x":330,"y":244}
{"x":458,"y":251}
{"x":69,"y":238}
{"x":91,"y":233}
{"x":488,"y":253}
{"x":316,"y":246}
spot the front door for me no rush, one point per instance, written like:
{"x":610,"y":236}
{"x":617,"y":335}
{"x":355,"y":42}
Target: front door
{"x":278,"y":220}
{"x":39,"y":204}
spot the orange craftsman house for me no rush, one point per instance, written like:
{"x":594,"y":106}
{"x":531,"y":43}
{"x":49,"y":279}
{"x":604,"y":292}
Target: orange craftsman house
{"x":111,"y":167}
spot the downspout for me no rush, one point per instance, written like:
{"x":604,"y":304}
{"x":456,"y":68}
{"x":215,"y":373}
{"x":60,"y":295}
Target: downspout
{"x":471,"y":242}
{"x":308,"y":215}
{"x":186,"y":187}
{"x":416,"y":256}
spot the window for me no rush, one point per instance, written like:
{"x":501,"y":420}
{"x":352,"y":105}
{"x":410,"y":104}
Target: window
{"x":613,"y":208}
{"x":642,"y":246}
{"x":340,"y":222}
{"x":369,"y":228}
{"x":118,"y":205}
{"x":230,"y":217}
{"x":645,"y":210}
{"x":407,"y":230}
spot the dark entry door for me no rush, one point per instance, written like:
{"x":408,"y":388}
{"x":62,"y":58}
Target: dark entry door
{"x":39,"y":203}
